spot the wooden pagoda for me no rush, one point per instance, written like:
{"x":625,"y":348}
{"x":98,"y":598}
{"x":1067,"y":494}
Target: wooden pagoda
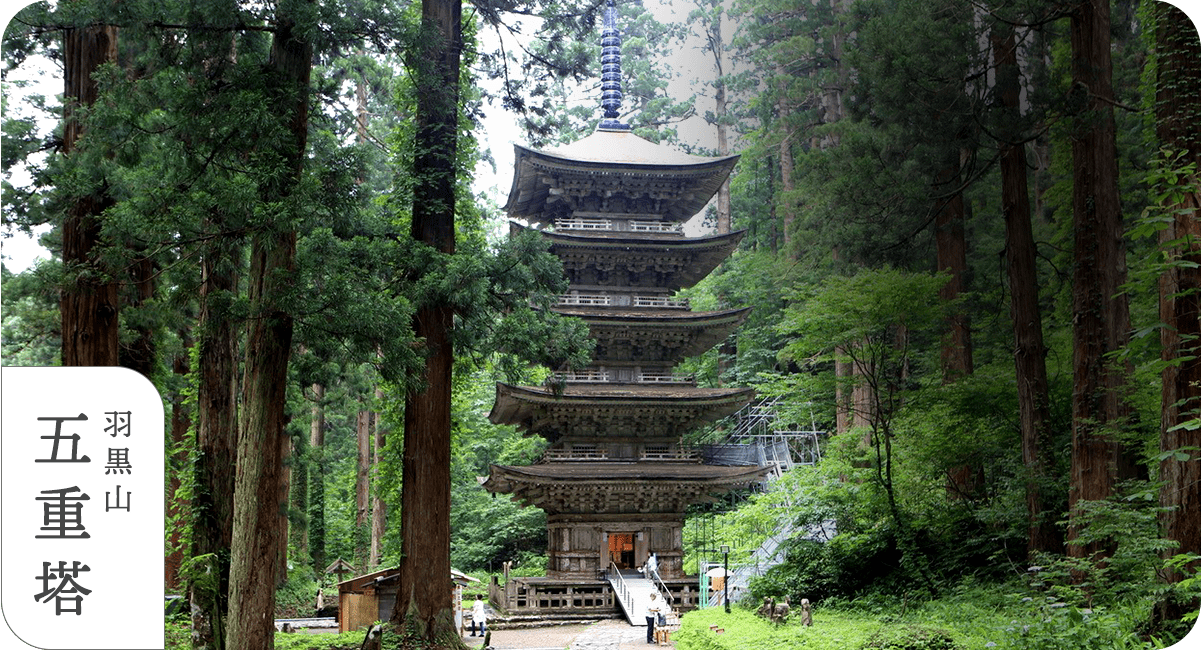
{"x":616,"y":480}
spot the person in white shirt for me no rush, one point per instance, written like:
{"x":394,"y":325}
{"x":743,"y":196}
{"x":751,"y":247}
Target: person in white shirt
{"x":652,"y":612}
{"x":478,"y":615}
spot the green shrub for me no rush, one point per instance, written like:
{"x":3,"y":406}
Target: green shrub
{"x":298,"y":597}
{"x":306,"y":641}
{"x":911,"y":637}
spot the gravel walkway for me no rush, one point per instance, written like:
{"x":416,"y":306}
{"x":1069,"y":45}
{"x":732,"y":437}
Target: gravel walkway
{"x":602,"y":635}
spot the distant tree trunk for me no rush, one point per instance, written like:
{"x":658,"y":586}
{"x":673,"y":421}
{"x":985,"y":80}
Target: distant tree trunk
{"x":88,"y":302}
{"x":842,"y":398}
{"x":720,"y":110}
{"x":285,"y":500}
{"x":951,"y":253}
{"x":216,"y":444}
{"x":951,"y":257}
{"x":1029,"y":352}
{"x":268,"y":349}
{"x":424,"y":599}
{"x":1178,"y":103}
{"x":787,"y":182}
{"x":379,"y":508}
{"x":298,"y":529}
{"x":180,"y":423}
{"x":1101,"y":316}
{"x":362,"y":488}
{"x":317,"y":480}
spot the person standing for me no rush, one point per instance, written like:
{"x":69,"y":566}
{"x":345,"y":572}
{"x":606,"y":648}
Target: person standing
{"x":652,"y":567}
{"x":652,"y":612}
{"x":478,"y":615}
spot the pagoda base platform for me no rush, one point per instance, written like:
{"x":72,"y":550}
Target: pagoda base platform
{"x":578,"y":596}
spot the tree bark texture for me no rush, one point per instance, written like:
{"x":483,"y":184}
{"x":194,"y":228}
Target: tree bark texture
{"x":379,"y":508}
{"x":1178,"y":112}
{"x":216,"y":444}
{"x":1029,"y":351}
{"x":424,"y":599}
{"x":285,"y":501}
{"x":89,"y":307}
{"x":362,"y":487}
{"x":258,"y":502}
{"x":1101,"y":316}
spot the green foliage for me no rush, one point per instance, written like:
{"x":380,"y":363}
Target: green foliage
{"x":742,"y":629}
{"x":307,"y":641}
{"x":298,"y":596}
{"x":29,"y":331}
{"x":911,"y":637}
{"x":486,"y":529}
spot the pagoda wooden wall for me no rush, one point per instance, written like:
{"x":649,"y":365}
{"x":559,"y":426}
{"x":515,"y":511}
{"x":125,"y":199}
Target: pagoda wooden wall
{"x":578,"y":545}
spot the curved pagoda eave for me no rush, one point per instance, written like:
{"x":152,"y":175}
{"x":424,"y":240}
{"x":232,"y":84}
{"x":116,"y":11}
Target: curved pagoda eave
{"x":674,"y":262}
{"x":621,"y":410}
{"x":617,"y":488}
{"x":661,"y":336}
{"x":618,"y":160}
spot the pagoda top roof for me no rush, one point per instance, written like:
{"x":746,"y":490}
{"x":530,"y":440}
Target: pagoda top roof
{"x":606,"y":161}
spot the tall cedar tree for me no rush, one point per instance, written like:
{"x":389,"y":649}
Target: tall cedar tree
{"x":253,"y":557}
{"x":1100,"y":311}
{"x":423,"y":602}
{"x":1029,"y":351}
{"x":1177,"y":112}
{"x":88,"y":305}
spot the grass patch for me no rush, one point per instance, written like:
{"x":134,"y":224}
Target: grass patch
{"x":832,"y":630}
{"x":971,"y":619}
{"x":179,"y":637}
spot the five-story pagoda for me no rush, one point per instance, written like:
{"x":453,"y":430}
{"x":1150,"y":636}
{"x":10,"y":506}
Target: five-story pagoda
{"x":615,"y":480}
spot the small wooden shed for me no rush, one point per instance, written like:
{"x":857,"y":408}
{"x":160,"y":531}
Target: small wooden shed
{"x":368,"y":598}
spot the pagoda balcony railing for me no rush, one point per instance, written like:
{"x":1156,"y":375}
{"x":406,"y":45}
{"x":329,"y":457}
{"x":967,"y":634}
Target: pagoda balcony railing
{"x":583,"y":376}
{"x":604,"y":300}
{"x":660,"y":302}
{"x":664,"y":378}
{"x":585,"y":300}
{"x":583,"y":223}
{"x":575,"y":454}
{"x":670,"y":454}
{"x":656,"y":227}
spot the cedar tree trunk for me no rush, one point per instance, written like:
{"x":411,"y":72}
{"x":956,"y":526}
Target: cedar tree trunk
{"x":257,"y":498}
{"x":1100,"y":315}
{"x":424,"y":599}
{"x":1029,"y":352}
{"x":88,"y":304}
{"x":1178,"y":107}
{"x":216,"y":445}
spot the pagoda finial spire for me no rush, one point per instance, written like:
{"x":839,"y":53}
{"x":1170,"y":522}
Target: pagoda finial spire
{"x":611,"y":71}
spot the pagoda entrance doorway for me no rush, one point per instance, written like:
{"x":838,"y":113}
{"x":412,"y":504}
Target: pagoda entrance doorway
{"x":621,"y":550}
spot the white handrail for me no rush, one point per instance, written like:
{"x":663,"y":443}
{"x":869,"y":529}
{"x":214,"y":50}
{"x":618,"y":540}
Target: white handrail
{"x":622,"y":591}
